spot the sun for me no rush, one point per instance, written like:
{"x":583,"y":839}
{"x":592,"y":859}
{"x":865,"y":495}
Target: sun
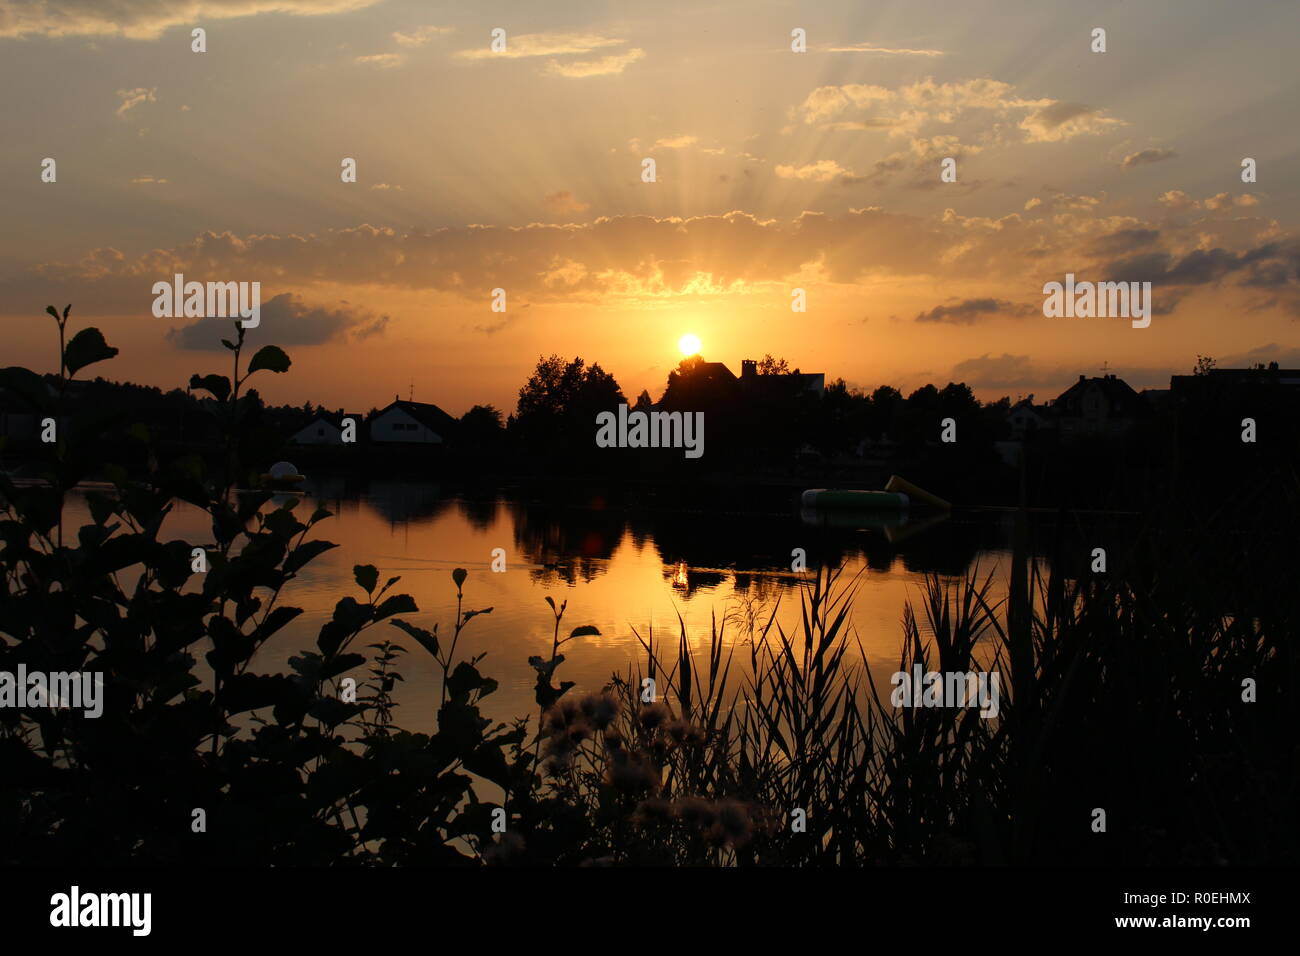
{"x":689,"y":344}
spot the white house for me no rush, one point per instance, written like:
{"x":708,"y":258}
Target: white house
{"x":324,"y":429}
{"x":412,"y":423}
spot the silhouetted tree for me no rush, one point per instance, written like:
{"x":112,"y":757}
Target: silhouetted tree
{"x":773,"y":366}
{"x":558,"y":404}
{"x":481,"y":427}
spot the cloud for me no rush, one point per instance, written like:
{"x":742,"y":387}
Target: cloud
{"x":1266,"y":264}
{"x":605,"y":66}
{"x":287,"y":320}
{"x":1177,"y":200}
{"x":674,"y":142}
{"x":860,"y":125}
{"x":1062,"y":121}
{"x":542,"y":44}
{"x":641,"y":259}
{"x":1144,"y":156}
{"x":827,"y":101}
{"x":380,"y":61}
{"x":908,"y":109}
{"x":420,"y":36}
{"x":564,"y":202}
{"x":1058,"y":202}
{"x":891,"y":51}
{"x":968,"y":311}
{"x":133,"y":98}
{"x":1123,"y":241}
{"x":1284,"y":356}
{"x":822,"y":171}
{"x":504,"y":322}
{"x":147,"y":19}
{"x":995,"y":370}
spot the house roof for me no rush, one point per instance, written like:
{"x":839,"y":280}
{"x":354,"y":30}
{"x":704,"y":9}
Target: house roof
{"x":717,"y":370}
{"x":334,"y":418}
{"x":428,"y":415}
{"x":1118,"y":393}
{"x":1026,"y":405}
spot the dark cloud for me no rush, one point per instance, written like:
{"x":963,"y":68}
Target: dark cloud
{"x":507,"y":319}
{"x":1147,"y":267}
{"x":1144,"y":156}
{"x":968,"y":310}
{"x":1269,"y":264}
{"x":1123,"y":241}
{"x":987,"y":371}
{"x":1058,"y":113}
{"x":1210,"y":265}
{"x":1268,"y":274}
{"x":1284,"y":356}
{"x":286,"y":320}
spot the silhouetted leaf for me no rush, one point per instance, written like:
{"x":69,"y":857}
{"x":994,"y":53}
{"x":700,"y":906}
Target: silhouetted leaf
{"x":397,"y":604}
{"x":428,"y":640}
{"x":344,"y":662}
{"x":304,"y":553}
{"x":218,"y":385}
{"x":367,"y":576}
{"x":86,"y":348}
{"x":271,"y":358}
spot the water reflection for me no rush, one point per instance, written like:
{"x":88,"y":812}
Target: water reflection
{"x":626,"y":570}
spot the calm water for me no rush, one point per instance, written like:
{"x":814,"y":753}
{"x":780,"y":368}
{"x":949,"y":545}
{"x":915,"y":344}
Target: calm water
{"x":620,"y":571}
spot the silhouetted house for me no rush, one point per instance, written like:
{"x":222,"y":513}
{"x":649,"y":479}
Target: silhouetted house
{"x":1280,"y":382}
{"x":1221,"y":397}
{"x":1098,"y":406}
{"x":750,"y":380}
{"x":412,"y":423}
{"x":1156,"y":399}
{"x":715,"y":373}
{"x":1026,"y":418}
{"x":326,"y":429}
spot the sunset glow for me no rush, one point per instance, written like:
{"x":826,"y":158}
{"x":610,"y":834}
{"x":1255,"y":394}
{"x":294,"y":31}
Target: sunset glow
{"x":689,"y":344}
{"x":827,"y":182}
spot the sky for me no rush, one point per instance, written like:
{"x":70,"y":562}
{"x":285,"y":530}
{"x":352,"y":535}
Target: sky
{"x":775,"y":170}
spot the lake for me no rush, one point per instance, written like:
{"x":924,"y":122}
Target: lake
{"x":626,"y":572}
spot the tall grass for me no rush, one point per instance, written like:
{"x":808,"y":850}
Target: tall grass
{"x":1120,"y":691}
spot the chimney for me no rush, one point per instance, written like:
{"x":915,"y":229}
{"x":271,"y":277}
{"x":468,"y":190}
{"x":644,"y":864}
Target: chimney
{"x":748,"y":368}
{"x":1082,"y":378}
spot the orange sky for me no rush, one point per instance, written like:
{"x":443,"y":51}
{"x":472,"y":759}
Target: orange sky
{"x":775,"y":170}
